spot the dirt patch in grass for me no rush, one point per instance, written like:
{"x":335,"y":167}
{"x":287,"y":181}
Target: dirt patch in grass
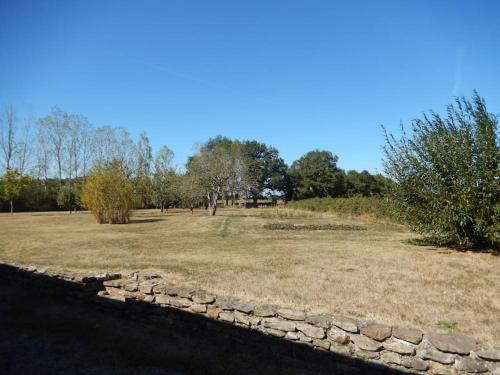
{"x":290,"y":226}
{"x":375,"y":274}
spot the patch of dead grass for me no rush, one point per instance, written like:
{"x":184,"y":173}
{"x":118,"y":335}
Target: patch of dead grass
{"x":375,"y":274}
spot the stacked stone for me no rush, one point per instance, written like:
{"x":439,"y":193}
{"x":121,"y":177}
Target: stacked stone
{"x":407,"y":349}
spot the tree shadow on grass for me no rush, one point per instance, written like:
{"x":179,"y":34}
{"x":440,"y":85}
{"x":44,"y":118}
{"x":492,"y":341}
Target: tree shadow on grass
{"x":84,"y":333}
{"x":437,"y":242}
{"x":143,"y":221}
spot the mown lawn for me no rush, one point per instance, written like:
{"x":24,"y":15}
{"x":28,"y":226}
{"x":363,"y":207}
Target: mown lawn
{"x":375,"y":273}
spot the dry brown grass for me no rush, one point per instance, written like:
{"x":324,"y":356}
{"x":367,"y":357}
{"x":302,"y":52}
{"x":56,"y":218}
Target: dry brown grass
{"x":375,"y":274}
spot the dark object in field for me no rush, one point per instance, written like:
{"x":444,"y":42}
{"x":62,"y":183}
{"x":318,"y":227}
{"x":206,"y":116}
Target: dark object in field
{"x":288,"y":226}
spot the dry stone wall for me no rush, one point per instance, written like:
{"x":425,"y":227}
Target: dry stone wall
{"x":403,"y":348}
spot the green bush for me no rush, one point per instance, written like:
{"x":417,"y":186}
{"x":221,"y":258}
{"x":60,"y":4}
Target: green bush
{"x":67,"y":198}
{"x":447,"y":175}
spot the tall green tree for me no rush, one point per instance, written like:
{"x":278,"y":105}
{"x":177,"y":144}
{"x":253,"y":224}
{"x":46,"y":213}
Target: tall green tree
{"x":316,"y":174}
{"x":266,"y":172}
{"x":11,"y":186}
{"x":447,"y":176}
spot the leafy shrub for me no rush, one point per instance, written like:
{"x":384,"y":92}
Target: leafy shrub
{"x":67,"y":198}
{"x":288,"y":226}
{"x":447,"y":175}
{"x":108,"y":193}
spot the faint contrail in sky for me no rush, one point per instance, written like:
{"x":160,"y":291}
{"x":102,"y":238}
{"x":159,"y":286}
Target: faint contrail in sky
{"x":458,"y":72}
{"x":201,"y":82}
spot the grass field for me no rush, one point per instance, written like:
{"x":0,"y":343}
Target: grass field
{"x":375,"y":274}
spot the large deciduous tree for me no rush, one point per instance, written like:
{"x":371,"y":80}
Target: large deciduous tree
{"x":447,"y":176}
{"x":212,"y":169}
{"x":316,"y":174}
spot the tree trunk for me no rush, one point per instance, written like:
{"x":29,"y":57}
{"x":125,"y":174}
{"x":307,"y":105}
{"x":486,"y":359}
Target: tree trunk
{"x":212,"y":201}
{"x":11,"y":207}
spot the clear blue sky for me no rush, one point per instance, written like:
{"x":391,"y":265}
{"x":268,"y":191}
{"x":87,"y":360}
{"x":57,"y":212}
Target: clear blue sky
{"x":298,"y":75}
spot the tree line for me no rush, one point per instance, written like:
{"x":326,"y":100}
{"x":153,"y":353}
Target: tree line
{"x":443,"y":177}
{"x":44,"y":164}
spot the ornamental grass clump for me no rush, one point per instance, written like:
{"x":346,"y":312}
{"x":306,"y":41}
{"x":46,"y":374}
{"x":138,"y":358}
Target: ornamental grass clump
{"x":108,"y":193}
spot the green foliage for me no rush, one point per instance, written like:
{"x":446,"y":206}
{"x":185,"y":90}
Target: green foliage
{"x":108,"y":193}
{"x":329,"y":226}
{"x":374,"y":207}
{"x":447,"y":175}
{"x":365,"y":184}
{"x":12,"y":185}
{"x":67,"y":198}
{"x":316,"y":175}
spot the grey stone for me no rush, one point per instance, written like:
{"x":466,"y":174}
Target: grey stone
{"x":149,"y":298}
{"x":245,"y":307}
{"x":452,"y":343}
{"x":131,"y":287}
{"x":414,"y":363}
{"x":322,"y":344}
{"x":198,"y":308}
{"x":303,"y":337}
{"x":489,"y":354}
{"x":213,"y":312}
{"x":401,"y":347}
{"x":108,"y":276}
{"x":275,"y":323}
{"x":254,"y":320}
{"x":323,"y":321}
{"x":365,"y":343}
{"x":203,"y":297}
{"x":224,"y":304}
{"x":265,"y":310}
{"x":338,"y":335}
{"x":275,"y":332}
{"x":180,"y":292}
{"x":412,"y":335}
{"x":340,"y":349}
{"x":162,"y":299}
{"x":367,"y":354}
{"x":146,"y":287}
{"x":241,"y":318}
{"x":292,"y":314}
{"x":180,"y":302}
{"x":437,"y":356}
{"x":389,"y":357}
{"x":377,"y":331}
{"x":439,"y":369}
{"x":347,"y":324}
{"x":311,"y":331}
{"x":226,"y":316}
{"x":292,"y":336}
{"x":470,"y":365}
{"x":113,"y":283}
{"x":496,"y":371}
